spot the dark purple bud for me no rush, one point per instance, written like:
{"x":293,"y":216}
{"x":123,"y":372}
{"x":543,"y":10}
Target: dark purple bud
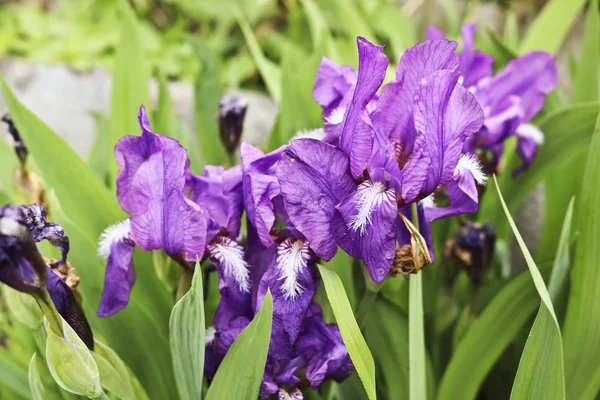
{"x":20,"y":148}
{"x":21,"y":265}
{"x":232,"y":110}
{"x":474,"y":248}
{"x":68,"y":307}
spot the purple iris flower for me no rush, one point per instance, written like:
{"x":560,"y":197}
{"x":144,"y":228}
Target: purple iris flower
{"x":510,"y":99}
{"x":387,"y":157}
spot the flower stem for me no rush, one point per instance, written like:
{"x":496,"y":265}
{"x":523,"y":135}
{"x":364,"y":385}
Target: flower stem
{"x":368,"y":300}
{"x":45,"y":302}
{"x":185,"y":282}
{"x":416,"y":330}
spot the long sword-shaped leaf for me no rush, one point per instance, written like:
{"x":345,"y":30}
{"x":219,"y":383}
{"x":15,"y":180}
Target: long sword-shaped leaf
{"x":187,"y":340}
{"x":551,"y":26}
{"x":585,"y":87}
{"x":353,"y":338}
{"x":541,"y":370}
{"x":241,"y":372}
{"x":582,"y":333}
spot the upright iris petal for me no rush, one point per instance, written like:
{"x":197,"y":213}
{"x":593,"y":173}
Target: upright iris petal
{"x":357,"y":133}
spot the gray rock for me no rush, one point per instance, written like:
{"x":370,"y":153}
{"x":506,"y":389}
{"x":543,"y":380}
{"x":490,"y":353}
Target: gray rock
{"x":65,"y":100}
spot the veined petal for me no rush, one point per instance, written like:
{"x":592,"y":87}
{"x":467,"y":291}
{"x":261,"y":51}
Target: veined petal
{"x":357,"y":134}
{"x":130,"y":153}
{"x":314,"y":178}
{"x":164,"y":218}
{"x":462,"y":190}
{"x":445,"y":115}
{"x":365,"y":226}
{"x":292,"y":280}
{"x":394,"y":116}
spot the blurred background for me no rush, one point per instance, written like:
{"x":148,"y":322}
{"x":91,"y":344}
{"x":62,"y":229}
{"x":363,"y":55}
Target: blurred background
{"x":59,"y":55}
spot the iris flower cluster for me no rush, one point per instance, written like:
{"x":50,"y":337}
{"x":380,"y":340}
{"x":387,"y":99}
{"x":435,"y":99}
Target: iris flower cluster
{"x":355,"y":184}
{"x":385,"y":157}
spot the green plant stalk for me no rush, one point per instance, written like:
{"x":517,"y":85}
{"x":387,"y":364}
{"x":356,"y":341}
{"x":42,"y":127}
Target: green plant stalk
{"x":416,"y":339}
{"x":368,"y":300}
{"x":185,"y":282}
{"x":42,"y":297}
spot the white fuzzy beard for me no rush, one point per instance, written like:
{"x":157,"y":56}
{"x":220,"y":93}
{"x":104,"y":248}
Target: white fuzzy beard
{"x":111,"y":235}
{"x":292,"y":258}
{"x":230,"y":254}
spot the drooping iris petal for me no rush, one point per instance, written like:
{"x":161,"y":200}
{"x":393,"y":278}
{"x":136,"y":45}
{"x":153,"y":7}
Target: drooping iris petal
{"x":529,"y":138}
{"x":322,"y":347}
{"x":41,"y":229}
{"x":68,"y":308}
{"x":445,"y":115}
{"x":117,"y":246}
{"x":130,"y":153}
{"x":163,"y":218}
{"x":393,"y":119}
{"x":474,"y":64}
{"x":234,"y":281}
{"x":530,"y":77}
{"x":314,"y":178}
{"x":462,"y":189}
{"x":260,"y":188}
{"x":364,"y":225}
{"x":293,"y":283}
{"x":357,"y":134}
{"x":219,"y":192}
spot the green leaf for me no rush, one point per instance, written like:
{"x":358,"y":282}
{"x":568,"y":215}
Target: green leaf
{"x":23,"y":307}
{"x":551,"y":26}
{"x":316,"y":23}
{"x":114,"y":374}
{"x":269,"y":71}
{"x":100,"y":154}
{"x":541,"y":369}
{"x":13,"y":376}
{"x":71,"y":363}
{"x":582,"y":338}
{"x":487,"y":338}
{"x":585,"y":87}
{"x":187,"y":333}
{"x":35,"y":382}
{"x":567,"y":137}
{"x":511,"y":30}
{"x":207,"y":94}
{"x":130,"y":84}
{"x":353,"y":338}
{"x":416,"y":338}
{"x":241,"y":372}
{"x":563,"y":257}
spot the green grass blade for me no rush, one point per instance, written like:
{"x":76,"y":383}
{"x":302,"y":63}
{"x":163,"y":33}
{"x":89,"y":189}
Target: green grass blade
{"x":487,"y":338}
{"x":551,"y":26}
{"x":585,"y":87}
{"x":353,"y":338}
{"x":13,"y":376}
{"x":100,"y":155}
{"x":130,"y":84}
{"x":563,"y":257}
{"x":241,"y":372}
{"x":269,"y":71}
{"x":187,"y":333}
{"x":581,"y":334}
{"x":416,"y":338}
{"x":541,"y":370}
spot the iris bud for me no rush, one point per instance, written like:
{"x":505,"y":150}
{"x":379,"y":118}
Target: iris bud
{"x":232,"y":111}
{"x":473,"y":246}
